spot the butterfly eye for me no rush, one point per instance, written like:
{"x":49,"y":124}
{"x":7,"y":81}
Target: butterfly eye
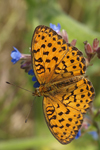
{"x":49,"y":89}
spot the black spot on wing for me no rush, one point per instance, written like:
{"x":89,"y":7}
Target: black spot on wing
{"x":55,"y":58}
{"x":35,"y":51}
{"x":49,"y":44}
{"x":43,"y":45}
{"x":42,"y":37}
{"x":45,"y":53}
{"x":38,"y":60}
{"x":47,"y":60}
{"x":53,"y":49}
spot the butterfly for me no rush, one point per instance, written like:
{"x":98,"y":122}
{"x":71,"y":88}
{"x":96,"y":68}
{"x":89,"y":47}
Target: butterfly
{"x":59,"y":68}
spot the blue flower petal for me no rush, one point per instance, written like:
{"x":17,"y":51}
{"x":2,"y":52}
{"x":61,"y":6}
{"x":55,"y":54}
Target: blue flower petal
{"x":36,"y":84}
{"x":13,"y":61}
{"x":94,"y":134}
{"x":78,"y":134}
{"x":16,"y":55}
{"x":55,"y":28}
{"x":31,"y":72}
{"x":34,"y":78}
{"x":59,"y":26}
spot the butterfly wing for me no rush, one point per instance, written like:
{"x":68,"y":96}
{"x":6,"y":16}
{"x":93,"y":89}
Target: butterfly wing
{"x":64,"y":110}
{"x":53,"y":58}
{"x":59,"y":119}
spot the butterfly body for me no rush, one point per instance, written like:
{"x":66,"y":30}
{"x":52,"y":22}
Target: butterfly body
{"x":55,"y":87}
{"x":59,"y":68}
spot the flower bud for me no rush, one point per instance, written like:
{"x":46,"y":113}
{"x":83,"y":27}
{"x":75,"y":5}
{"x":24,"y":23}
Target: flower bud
{"x":88,"y":48}
{"x":98,"y":52}
{"x":73,"y":42}
{"x":95,"y":44}
{"x":64,"y":35}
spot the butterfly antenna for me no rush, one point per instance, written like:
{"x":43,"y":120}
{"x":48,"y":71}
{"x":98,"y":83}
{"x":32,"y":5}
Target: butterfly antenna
{"x":19,"y":87}
{"x":29,"y":111}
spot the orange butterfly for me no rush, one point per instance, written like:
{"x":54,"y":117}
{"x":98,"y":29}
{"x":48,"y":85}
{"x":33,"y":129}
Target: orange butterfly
{"x":59,"y":68}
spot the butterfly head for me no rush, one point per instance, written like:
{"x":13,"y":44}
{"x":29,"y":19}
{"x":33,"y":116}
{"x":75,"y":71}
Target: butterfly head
{"x":36,"y":92}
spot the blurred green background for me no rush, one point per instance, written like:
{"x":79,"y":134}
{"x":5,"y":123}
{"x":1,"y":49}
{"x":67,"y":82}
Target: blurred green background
{"x":18,"y":19}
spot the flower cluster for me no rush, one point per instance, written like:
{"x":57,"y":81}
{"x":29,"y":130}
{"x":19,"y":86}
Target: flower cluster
{"x":91,"y":51}
{"x":26,"y":59}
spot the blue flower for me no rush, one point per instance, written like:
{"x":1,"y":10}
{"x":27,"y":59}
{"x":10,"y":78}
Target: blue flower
{"x":78,"y":134}
{"x":34,"y":78}
{"x":94,"y":134}
{"x":31,"y":72}
{"x":55,"y":28}
{"x":36,"y":84}
{"x":16,"y":55}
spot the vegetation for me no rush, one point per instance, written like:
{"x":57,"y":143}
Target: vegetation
{"x":18,"y":20}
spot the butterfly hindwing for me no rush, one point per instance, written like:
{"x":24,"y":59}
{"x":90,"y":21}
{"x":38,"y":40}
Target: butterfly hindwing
{"x":64,"y":111}
{"x":61,"y":120}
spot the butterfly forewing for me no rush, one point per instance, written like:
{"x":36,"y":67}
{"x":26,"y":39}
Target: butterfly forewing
{"x":53,"y":58}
